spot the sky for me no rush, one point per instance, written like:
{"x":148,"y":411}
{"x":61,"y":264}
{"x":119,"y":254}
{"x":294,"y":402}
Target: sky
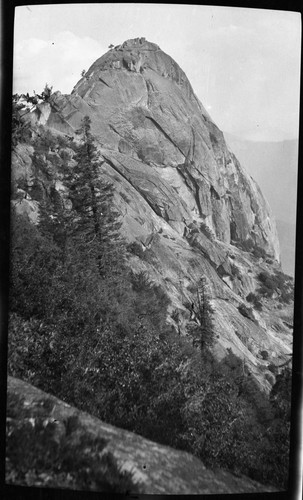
{"x":243,"y":63}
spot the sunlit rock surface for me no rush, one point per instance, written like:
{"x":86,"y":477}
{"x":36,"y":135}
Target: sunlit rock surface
{"x":142,"y":106}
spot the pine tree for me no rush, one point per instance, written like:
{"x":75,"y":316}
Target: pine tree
{"x":93,"y":221}
{"x":53,"y":221}
{"x":20,"y":127}
{"x":202,"y":330}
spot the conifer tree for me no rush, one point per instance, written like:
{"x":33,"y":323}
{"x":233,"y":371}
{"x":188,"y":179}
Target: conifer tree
{"x":20,"y":127}
{"x":93,"y":222}
{"x":53,"y":221}
{"x":202,"y":330}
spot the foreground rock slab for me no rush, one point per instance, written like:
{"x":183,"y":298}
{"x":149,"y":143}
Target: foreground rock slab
{"x":156,"y":469}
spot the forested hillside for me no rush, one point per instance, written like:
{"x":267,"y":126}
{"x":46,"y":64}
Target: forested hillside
{"x":87,"y":328}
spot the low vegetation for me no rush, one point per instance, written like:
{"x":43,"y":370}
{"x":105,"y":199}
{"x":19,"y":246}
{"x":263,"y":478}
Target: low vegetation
{"x":278,"y":283}
{"x":254,"y":299}
{"x":246,"y":312}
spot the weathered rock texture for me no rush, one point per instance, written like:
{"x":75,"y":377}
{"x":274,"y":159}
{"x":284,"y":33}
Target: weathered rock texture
{"x":143,"y":107}
{"x":183,"y":197}
{"x":156,"y":469}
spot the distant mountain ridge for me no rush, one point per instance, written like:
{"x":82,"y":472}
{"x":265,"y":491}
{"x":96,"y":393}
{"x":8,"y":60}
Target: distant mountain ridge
{"x":264,"y":134}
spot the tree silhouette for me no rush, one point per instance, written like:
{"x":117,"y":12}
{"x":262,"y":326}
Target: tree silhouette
{"x":47,"y":92}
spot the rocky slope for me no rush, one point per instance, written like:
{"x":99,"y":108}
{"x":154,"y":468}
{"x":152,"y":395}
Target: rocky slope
{"x":154,"y":469}
{"x":187,"y":206}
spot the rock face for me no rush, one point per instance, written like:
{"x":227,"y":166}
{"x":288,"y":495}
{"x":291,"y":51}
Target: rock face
{"x":184,"y":198}
{"x":156,"y":469}
{"x":142,"y":106}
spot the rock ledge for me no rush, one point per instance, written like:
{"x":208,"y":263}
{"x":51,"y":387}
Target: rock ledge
{"x":156,"y":469}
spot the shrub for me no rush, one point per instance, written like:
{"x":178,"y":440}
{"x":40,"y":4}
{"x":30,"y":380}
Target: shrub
{"x":136,"y":249}
{"x":247,"y":245}
{"x":37,"y":455}
{"x":272,"y":282}
{"x":258,"y":305}
{"x":264,"y":355}
{"x":207,"y":231}
{"x":269,"y":284}
{"x":251,"y":297}
{"x":259,"y":252}
{"x":47,"y":92}
{"x":246,"y":312}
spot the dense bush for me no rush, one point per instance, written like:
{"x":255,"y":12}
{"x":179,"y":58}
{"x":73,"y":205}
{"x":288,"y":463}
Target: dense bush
{"x":264,"y":355}
{"x":117,"y":359}
{"x":253,"y":298}
{"x":38,"y":455}
{"x":246,"y":312}
{"x":277,"y":282}
{"x":268,"y":283}
{"x":249,"y":246}
{"x":136,"y":249}
{"x":259,"y":252}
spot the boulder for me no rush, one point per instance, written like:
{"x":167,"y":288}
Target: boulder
{"x":155,"y":469}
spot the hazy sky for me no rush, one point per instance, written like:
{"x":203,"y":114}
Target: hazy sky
{"x":244,"y":64}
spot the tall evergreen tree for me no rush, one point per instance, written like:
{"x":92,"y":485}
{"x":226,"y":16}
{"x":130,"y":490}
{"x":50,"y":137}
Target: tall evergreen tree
{"x":93,"y":222}
{"x":202,"y":329}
